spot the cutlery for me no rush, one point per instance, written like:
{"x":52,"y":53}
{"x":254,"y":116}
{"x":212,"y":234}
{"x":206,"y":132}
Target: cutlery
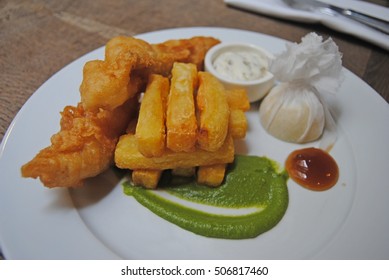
{"x":332,"y":10}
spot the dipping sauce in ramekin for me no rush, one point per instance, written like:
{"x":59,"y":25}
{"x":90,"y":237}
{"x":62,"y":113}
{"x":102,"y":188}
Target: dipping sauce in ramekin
{"x":239,"y":65}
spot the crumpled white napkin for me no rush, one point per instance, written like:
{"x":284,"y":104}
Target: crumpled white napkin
{"x":278,"y":8}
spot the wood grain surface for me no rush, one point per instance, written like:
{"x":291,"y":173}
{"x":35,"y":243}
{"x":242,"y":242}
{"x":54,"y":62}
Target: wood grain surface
{"x":38,"y":38}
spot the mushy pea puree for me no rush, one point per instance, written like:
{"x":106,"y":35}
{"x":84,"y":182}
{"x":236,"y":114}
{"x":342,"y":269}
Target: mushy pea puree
{"x":252,"y":184}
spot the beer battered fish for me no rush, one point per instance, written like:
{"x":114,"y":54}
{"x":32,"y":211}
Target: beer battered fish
{"x":84,"y":147}
{"x":128,"y":63}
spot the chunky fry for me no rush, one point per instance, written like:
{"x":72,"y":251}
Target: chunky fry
{"x":146,"y":178}
{"x":214,"y":118}
{"x":181,"y":120}
{"x":213,"y":112}
{"x":150,"y":130}
{"x":237,"y":99}
{"x":128,"y":156}
{"x":212,"y":175}
{"x":238,"y":124}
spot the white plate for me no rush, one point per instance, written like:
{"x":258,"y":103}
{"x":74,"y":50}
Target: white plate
{"x":348,"y":221}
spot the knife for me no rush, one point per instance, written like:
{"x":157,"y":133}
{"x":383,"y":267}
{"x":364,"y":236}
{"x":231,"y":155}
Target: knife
{"x":313,"y":5}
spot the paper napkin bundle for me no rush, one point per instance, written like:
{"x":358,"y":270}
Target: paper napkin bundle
{"x":278,"y":8}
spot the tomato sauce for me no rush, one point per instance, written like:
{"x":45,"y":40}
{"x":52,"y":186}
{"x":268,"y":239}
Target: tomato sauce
{"x":312,"y":168}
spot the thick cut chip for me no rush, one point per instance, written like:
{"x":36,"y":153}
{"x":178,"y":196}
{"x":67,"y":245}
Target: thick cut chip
{"x":127,"y":156}
{"x":238,"y":124}
{"x":150,"y":130}
{"x":237,"y":99}
{"x":239,"y":103}
{"x":181,"y":123}
{"x":146,"y":178}
{"x":212,"y":175}
{"x":213,"y":112}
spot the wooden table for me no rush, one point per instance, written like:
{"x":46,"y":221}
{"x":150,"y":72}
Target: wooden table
{"x":38,"y":38}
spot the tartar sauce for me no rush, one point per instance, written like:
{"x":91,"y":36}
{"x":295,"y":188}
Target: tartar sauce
{"x":242,"y":65}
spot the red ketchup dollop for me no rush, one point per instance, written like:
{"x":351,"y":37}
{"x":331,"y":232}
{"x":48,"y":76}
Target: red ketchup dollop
{"x":312,"y":168}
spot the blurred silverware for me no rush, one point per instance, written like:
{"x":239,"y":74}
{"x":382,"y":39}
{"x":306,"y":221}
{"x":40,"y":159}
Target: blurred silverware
{"x":313,"y":5}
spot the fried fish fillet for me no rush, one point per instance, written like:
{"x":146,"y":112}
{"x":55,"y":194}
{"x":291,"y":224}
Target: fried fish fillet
{"x":129,"y":61}
{"x":83,"y":148}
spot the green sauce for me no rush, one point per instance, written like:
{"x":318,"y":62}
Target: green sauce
{"x":251,"y":182}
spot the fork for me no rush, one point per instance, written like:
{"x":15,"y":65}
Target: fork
{"x":331,"y":10}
